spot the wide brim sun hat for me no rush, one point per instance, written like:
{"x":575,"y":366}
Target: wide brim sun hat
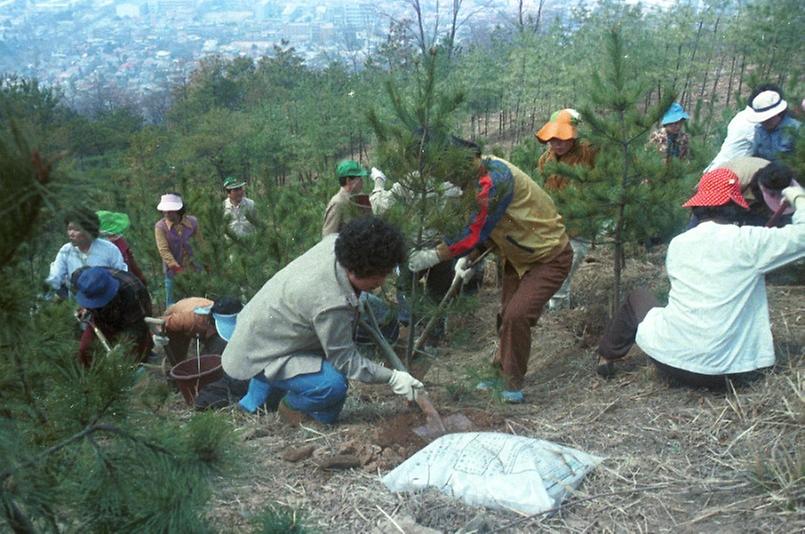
{"x":766,"y":105}
{"x":95,"y":288}
{"x":674,"y":114}
{"x":562,"y":125}
{"x":717,"y":188}
{"x":170,"y":202}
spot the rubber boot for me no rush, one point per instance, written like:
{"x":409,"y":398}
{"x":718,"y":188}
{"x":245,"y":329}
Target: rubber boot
{"x":256,"y":396}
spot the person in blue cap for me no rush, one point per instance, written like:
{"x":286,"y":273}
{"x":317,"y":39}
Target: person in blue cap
{"x":670,"y":140}
{"x":116,"y":303}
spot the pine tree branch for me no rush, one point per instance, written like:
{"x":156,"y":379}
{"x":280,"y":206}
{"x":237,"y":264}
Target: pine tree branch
{"x":87,"y":431}
{"x":17,"y":520}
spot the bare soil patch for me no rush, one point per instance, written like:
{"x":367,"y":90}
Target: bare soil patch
{"x":677,"y":459}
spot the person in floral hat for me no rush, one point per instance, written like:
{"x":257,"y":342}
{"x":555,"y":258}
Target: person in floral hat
{"x":716,"y":324}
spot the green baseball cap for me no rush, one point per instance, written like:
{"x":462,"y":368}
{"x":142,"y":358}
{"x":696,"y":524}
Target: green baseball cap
{"x":230,"y":182}
{"x":113,"y":223}
{"x":349,"y":168}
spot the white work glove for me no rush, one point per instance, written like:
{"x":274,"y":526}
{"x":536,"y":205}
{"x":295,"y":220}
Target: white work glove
{"x":404,"y":384}
{"x":378,"y":177}
{"x":419,"y":260}
{"x":794,"y":194}
{"x":160,"y":341}
{"x":463,"y":269}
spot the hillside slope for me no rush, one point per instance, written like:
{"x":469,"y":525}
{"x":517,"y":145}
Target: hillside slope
{"x":676,"y":458}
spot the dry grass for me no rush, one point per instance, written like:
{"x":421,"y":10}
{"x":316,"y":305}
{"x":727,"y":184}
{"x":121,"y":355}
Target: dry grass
{"x":677,"y":459}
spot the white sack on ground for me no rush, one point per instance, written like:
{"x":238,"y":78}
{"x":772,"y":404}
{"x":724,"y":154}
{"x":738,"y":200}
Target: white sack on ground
{"x":495,"y":470}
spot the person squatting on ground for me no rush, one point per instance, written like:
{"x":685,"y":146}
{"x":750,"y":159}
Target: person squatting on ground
{"x":212,"y":322}
{"x":516,"y":217}
{"x":84,"y":249}
{"x":296,"y":338}
{"x":239,"y":211}
{"x":173,"y":234}
{"x":761,"y":183}
{"x":117,"y":303}
{"x":773,"y":133}
{"x":716,"y":324}
{"x":564,"y":146}
{"x":113,"y":225}
{"x":344,"y":204}
{"x":671,"y":140}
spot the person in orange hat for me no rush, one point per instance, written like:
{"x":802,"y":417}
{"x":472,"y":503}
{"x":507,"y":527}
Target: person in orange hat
{"x":564,"y":146}
{"x":716,"y":324}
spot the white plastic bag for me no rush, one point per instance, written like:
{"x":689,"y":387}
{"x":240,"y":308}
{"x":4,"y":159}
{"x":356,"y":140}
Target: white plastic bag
{"x":495,"y":470}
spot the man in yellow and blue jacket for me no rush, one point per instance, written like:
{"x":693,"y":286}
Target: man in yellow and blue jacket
{"x":518,"y":219}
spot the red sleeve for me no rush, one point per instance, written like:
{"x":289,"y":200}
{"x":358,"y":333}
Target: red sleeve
{"x":472,"y":233}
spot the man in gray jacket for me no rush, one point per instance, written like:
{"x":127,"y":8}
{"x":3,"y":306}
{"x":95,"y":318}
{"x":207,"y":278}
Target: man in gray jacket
{"x":296,"y":337}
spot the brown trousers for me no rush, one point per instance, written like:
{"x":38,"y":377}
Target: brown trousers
{"x":619,"y":337}
{"x":522,"y":302}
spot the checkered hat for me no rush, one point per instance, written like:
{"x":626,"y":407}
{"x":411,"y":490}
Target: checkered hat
{"x":716,"y":188}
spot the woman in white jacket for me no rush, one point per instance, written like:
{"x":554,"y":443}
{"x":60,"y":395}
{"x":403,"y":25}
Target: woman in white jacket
{"x":716,"y":323}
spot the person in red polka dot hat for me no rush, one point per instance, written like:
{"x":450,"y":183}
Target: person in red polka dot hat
{"x":718,"y":188}
{"x":715,"y":327}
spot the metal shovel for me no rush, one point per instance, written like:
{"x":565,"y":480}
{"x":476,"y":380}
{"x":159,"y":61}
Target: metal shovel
{"x":435,"y":424}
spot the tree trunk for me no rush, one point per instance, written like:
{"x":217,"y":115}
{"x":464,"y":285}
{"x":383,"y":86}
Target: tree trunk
{"x":684,"y":99}
{"x":730,"y":80}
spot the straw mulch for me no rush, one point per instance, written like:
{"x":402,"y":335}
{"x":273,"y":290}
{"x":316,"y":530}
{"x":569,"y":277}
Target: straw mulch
{"x":677,"y":459}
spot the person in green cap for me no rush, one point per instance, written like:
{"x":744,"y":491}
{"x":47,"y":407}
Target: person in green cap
{"x":239,"y":211}
{"x":113,"y":224}
{"x":339,"y":210}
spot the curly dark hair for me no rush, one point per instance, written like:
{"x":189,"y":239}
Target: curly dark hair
{"x":369,"y":246}
{"x":775,"y":176}
{"x":85,"y":218}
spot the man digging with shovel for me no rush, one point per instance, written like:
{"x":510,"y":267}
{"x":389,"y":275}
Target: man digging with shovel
{"x":295,"y":339}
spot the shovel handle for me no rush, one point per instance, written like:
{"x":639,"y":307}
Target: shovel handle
{"x":454,"y":289}
{"x":422,"y":399}
{"x":431,"y":415}
{"x":777,"y":214}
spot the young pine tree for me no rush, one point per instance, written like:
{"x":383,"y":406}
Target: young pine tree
{"x":631,"y":194}
{"x":414,"y":147}
{"x":80,"y":448}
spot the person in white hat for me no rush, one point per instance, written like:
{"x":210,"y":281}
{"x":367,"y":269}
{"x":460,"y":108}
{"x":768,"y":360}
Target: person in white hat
{"x":740,"y":133}
{"x":173,"y":233}
{"x":773,"y":124}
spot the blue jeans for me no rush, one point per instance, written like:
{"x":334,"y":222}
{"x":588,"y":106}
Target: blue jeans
{"x":168,"y":290}
{"x":320,"y":395}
